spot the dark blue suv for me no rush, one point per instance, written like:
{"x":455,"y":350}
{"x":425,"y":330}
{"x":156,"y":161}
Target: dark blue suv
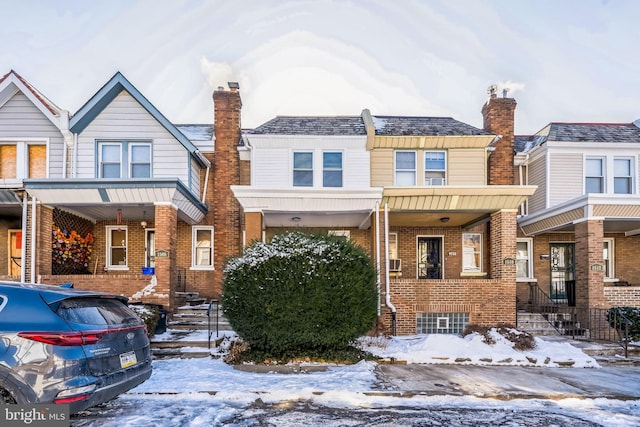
{"x":68,"y":346}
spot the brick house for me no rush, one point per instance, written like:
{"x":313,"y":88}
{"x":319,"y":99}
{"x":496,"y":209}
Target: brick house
{"x":132,"y":205}
{"x":577,"y":240}
{"x":414,"y":192}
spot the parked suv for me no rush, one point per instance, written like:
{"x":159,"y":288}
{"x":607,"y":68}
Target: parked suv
{"x":68,"y":346}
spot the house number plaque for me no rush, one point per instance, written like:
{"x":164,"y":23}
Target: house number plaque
{"x":162,"y":254}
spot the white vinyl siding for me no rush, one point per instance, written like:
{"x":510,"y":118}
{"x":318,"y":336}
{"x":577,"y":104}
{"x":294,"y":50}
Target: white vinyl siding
{"x":20,"y":120}
{"x":272,"y":160}
{"x":125,"y":119}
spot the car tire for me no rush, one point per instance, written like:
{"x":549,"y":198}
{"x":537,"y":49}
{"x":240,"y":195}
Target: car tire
{"x":6,"y":398}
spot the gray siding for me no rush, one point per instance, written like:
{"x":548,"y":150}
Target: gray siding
{"x":21,"y":120}
{"x":537,"y":176}
{"x":565,"y":177}
{"x":125,"y":119}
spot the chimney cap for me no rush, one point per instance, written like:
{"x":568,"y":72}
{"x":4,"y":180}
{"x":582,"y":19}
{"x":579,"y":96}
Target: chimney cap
{"x":233,"y":86}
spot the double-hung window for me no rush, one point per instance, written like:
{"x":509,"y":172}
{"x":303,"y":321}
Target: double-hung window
{"x":405,"y":165}
{"x":607,"y":257}
{"x":140,"y":160}
{"x":523,"y":259}
{"x":435,"y":168}
{"x":332,"y":169}
{"x":622,"y":175}
{"x":202,"y":254}
{"x":124,"y":159}
{"x":471,"y":252}
{"x":594,"y":181}
{"x":117,"y":248}
{"x":303,"y":169}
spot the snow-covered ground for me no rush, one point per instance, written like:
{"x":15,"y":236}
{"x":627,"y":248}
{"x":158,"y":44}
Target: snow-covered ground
{"x":206,"y":391}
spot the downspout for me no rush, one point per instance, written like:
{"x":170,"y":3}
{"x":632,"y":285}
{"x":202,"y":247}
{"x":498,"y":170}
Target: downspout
{"x":74,"y":160}
{"x":206,"y":184}
{"x":33,"y":239}
{"x":377,"y":218}
{"x":23,"y":264}
{"x":386,"y":273}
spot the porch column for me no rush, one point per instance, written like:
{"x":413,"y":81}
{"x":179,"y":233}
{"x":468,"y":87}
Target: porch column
{"x":589,"y":264}
{"x":503,"y":245}
{"x":253,"y":227}
{"x":166,"y":223}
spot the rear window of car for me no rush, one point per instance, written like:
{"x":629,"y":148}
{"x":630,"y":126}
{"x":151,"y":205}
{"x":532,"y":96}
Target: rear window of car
{"x":96,"y":311}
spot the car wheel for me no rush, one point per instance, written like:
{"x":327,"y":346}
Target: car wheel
{"x":6,"y":397}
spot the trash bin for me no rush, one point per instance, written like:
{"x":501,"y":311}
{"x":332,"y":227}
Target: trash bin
{"x":161,"y":327}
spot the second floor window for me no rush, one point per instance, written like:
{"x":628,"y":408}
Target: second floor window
{"x":622,"y":176}
{"x":124,"y":160}
{"x":594,"y":175}
{"x":332,"y":169}
{"x":405,"y":168}
{"x":302,"y":169}
{"x":435,"y":168}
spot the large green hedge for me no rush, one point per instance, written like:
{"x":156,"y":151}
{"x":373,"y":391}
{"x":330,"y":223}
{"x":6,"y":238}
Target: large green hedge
{"x":300,"y":293}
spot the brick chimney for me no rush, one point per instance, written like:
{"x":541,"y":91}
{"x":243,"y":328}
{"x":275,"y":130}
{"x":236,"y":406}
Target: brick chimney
{"x":227,"y":213}
{"x":498,"y":118}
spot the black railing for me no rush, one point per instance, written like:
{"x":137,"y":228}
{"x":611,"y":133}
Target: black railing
{"x":596,"y":324}
{"x":212,"y":303}
{"x":181,"y":279}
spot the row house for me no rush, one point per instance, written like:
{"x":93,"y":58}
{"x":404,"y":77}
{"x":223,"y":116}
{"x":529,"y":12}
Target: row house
{"x":115,"y":197}
{"x":578,"y":233}
{"x":415,"y":192}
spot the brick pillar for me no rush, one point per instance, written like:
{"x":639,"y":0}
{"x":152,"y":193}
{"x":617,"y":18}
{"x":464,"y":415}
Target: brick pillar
{"x":498,"y":118}
{"x":166,"y":219}
{"x":589,"y":264}
{"x":227,"y":213}
{"x":503,"y":244}
{"x":253,"y":227}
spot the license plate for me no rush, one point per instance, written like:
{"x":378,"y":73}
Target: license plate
{"x":128,"y":359}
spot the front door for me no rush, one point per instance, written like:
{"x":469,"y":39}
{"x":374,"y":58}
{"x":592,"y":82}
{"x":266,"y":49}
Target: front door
{"x":562,"y":287}
{"x":429,"y":257}
{"x":15,"y":252}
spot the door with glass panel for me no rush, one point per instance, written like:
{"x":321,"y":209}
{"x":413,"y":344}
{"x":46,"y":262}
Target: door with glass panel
{"x":562,"y":261}
{"x":429,"y":257}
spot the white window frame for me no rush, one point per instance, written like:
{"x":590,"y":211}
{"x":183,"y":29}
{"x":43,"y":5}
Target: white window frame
{"x":22,"y":157}
{"x":194,"y":248}
{"x":393,"y":246}
{"x":132,"y":163}
{"x":603,"y":176}
{"x":465,"y":254}
{"x":609,"y":261}
{"x":630,"y":177}
{"x":326,"y":169}
{"x":294,"y":169}
{"x":439,"y":171}
{"x":414,"y":170}
{"x":109,"y":246}
{"x":102,"y":144}
{"x":529,"y":258}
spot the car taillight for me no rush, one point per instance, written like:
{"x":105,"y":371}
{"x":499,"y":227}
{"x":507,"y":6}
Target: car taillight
{"x":65,"y":338}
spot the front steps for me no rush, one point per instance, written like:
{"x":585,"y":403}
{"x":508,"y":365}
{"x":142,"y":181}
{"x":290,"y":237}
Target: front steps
{"x":535,"y":324}
{"x":188,"y":330}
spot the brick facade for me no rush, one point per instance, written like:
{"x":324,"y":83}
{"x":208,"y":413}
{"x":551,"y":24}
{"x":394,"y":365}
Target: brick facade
{"x":498,"y":118}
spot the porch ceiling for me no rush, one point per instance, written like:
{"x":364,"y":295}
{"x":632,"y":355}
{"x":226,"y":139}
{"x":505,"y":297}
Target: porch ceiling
{"x":101,"y":199}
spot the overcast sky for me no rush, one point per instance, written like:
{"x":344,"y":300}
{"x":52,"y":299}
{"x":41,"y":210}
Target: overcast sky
{"x":562,"y":60}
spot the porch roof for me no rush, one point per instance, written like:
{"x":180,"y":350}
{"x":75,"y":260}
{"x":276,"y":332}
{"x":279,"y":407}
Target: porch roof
{"x":101,"y":199}
{"x":620,"y":214}
{"x":310,"y":207}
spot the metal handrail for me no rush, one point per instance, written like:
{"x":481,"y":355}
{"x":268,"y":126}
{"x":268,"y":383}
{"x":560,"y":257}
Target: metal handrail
{"x":210,"y":332}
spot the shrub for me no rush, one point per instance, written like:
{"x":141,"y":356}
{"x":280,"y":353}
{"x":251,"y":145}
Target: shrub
{"x":617,"y":317}
{"x":521,"y":340}
{"x":149,"y":314}
{"x":300,"y":295}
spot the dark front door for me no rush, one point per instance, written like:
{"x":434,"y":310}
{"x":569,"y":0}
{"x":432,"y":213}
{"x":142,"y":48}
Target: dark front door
{"x":429,"y":257}
{"x":562,"y":287}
